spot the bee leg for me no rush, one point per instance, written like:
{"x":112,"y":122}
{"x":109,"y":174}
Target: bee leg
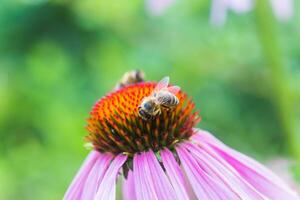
{"x":159,"y":112}
{"x":167,"y":108}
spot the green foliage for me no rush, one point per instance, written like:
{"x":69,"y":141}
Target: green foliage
{"x":58,"y":57}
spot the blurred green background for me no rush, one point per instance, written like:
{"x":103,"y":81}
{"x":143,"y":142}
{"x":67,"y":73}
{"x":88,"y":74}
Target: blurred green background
{"x":58,"y":57}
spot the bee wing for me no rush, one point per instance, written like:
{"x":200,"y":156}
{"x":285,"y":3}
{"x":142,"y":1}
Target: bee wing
{"x":174,"y":89}
{"x":163,"y":83}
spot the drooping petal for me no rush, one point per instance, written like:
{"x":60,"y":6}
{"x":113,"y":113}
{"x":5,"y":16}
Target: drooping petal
{"x":140,"y":190}
{"x":142,"y":176}
{"x":175,"y":174}
{"x":162,"y":185}
{"x":220,"y":8}
{"x":253,"y":172}
{"x":129,"y":188}
{"x":222,"y":172}
{"x":75,"y":189}
{"x":204,"y":136}
{"x":240,"y":6}
{"x":204,"y":185}
{"x":257,"y":175}
{"x":150,"y":180}
{"x":107,"y":188}
{"x":95,"y":177}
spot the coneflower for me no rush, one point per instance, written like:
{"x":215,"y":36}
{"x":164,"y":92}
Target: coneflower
{"x":165,"y":158}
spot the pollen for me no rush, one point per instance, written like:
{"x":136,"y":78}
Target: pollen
{"x":115,"y":126}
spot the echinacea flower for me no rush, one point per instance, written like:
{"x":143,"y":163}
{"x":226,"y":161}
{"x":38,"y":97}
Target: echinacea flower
{"x":164,"y":158}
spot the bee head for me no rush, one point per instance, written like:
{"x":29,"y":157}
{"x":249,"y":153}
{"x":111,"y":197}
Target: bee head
{"x":148,"y":105}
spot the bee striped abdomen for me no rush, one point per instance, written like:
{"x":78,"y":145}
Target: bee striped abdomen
{"x":167,"y":99}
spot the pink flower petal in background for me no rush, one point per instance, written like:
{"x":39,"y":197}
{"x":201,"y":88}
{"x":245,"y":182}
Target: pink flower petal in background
{"x":220,"y":9}
{"x":283,"y":9}
{"x":157,"y":7}
{"x":240,"y":6}
{"x":218,"y":12}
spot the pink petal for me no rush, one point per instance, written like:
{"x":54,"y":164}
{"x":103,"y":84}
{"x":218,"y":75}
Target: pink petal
{"x":204,"y":185}
{"x":95,"y":177}
{"x":75,"y":189}
{"x":175,"y":174}
{"x":143,"y":178}
{"x":128,"y":187}
{"x":253,"y":172}
{"x":150,"y":180}
{"x":107,"y":188}
{"x":204,"y":136}
{"x":162,"y":185}
{"x":139,"y":187}
{"x":222,"y":172}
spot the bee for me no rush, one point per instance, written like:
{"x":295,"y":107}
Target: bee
{"x":162,"y":97}
{"x":131,"y":77}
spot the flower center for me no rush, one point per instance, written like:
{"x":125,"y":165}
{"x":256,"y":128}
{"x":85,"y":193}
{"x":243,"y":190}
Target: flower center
{"x":115,"y":126}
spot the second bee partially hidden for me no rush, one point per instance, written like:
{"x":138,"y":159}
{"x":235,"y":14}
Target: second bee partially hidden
{"x":131,"y":77}
{"x":162,"y":97}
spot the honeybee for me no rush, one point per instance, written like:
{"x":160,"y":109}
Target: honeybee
{"x":162,"y":97}
{"x":134,"y":76}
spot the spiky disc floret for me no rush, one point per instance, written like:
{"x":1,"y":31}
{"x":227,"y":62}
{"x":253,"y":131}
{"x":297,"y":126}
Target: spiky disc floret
{"x":116,"y":127}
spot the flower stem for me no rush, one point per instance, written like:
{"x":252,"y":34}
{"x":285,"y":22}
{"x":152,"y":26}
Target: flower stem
{"x":275,"y":61}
